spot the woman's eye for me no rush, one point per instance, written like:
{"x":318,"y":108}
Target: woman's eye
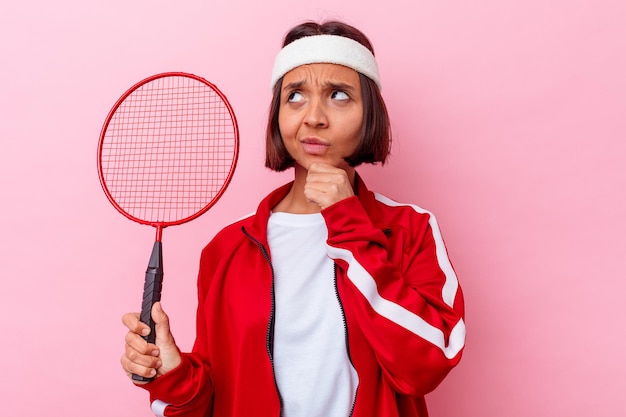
{"x":340,"y":95}
{"x":294,"y":97}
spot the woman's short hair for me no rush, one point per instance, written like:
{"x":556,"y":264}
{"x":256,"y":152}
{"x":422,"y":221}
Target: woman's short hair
{"x":375,"y":142}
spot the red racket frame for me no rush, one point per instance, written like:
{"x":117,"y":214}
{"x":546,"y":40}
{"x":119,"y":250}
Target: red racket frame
{"x":161,"y":225}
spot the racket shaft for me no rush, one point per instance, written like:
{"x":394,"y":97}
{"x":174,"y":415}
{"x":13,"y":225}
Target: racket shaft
{"x":151,"y":294}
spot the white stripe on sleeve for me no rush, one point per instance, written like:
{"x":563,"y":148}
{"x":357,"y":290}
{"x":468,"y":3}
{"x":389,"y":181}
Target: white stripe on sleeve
{"x":366,"y":284}
{"x":396,"y":313}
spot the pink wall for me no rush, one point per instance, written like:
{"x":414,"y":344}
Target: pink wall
{"x":509,"y":124}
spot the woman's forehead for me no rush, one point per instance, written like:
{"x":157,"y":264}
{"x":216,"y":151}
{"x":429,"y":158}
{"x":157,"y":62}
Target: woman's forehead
{"x":322,"y":73}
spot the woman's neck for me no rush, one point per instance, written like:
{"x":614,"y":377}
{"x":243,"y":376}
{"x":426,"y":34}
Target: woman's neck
{"x":295,"y":201}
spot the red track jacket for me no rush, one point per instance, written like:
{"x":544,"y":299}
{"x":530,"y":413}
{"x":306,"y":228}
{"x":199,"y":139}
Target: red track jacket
{"x":401,"y":300}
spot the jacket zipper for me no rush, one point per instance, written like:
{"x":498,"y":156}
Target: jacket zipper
{"x":269,"y":335}
{"x":345,"y":330}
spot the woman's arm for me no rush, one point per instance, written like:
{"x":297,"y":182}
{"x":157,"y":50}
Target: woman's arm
{"x":402,"y":290}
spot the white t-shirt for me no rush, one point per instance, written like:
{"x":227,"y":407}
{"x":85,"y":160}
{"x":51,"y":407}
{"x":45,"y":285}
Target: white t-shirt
{"x":313,"y":371}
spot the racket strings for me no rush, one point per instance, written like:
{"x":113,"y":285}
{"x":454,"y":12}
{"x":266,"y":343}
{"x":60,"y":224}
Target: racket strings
{"x":169,"y":149}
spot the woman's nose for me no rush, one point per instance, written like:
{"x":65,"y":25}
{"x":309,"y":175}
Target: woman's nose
{"x":316,"y":114}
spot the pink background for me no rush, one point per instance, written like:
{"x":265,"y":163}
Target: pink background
{"x":509,"y":123}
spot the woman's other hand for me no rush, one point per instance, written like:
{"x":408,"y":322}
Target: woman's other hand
{"x":147,"y":359}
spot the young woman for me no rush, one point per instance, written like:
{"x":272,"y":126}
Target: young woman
{"x":330,"y":300}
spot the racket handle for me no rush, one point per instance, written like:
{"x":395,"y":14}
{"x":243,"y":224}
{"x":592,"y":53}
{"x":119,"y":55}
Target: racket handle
{"x":151,"y":294}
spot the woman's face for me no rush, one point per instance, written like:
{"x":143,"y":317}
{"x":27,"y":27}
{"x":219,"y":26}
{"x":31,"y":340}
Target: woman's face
{"x":320,"y":114}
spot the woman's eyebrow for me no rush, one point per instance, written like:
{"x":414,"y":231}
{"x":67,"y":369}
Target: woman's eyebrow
{"x":334,"y":85}
{"x":339,"y":86}
{"x":294,"y":85}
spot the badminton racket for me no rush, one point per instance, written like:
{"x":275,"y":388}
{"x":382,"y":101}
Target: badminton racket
{"x":167,"y":151}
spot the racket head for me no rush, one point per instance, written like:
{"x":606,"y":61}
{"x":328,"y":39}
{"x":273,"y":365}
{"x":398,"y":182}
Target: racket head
{"x":168,"y":149}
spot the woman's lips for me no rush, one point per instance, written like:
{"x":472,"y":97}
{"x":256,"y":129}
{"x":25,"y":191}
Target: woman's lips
{"x":313,"y":146}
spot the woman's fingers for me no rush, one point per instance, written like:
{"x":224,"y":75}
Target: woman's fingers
{"x":135,"y":368}
{"x":132,"y":322}
{"x":326,"y":185}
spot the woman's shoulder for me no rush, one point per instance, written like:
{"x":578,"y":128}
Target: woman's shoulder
{"x":413,"y":219}
{"x":230,"y":235}
{"x":390,"y":203}
{"x":394,"y":210}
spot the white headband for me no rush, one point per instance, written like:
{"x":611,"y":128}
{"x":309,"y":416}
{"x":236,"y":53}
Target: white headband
{"x":326,"y":49}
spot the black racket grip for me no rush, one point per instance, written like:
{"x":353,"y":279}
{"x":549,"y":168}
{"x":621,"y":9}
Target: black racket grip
{"x":151,"y":294}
